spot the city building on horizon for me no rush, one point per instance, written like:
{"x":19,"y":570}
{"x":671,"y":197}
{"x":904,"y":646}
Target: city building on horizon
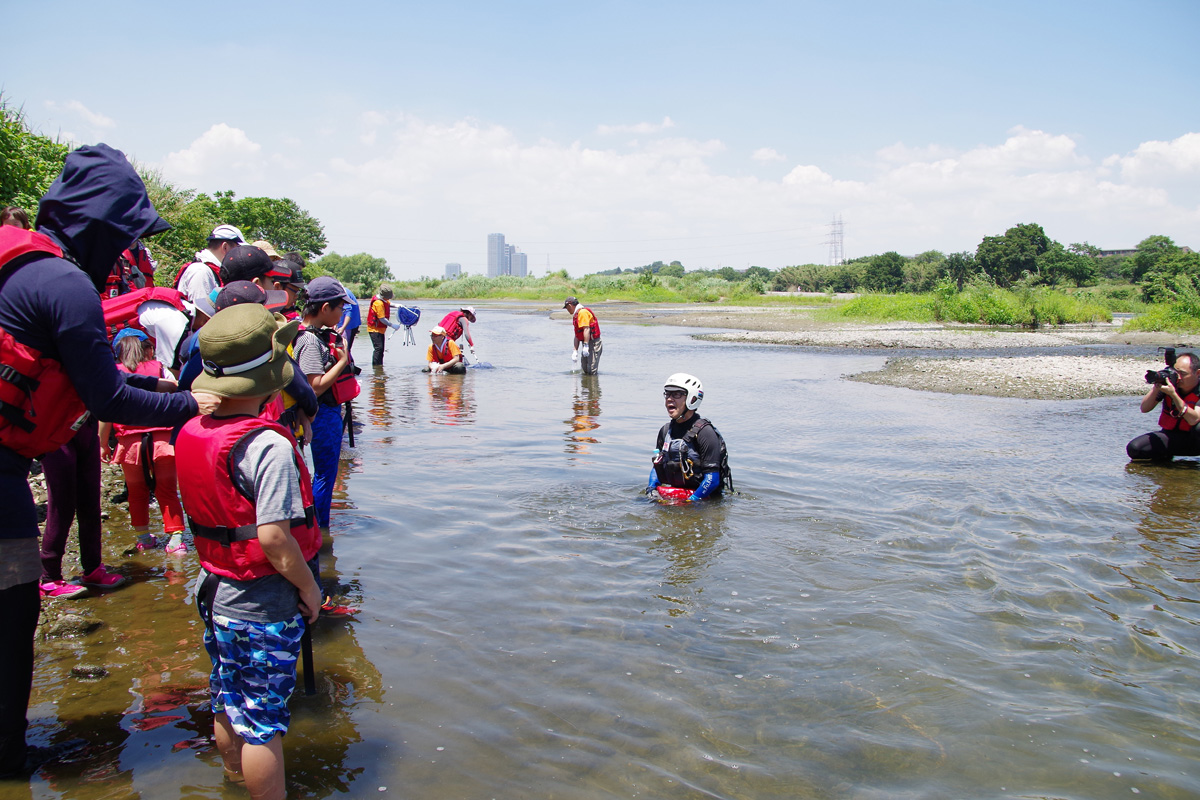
{"x":505,"y":259}
{"x":453,"y":270}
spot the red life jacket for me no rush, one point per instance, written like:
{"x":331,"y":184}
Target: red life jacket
{"x":133,"y":270}
{"x":154,"y":369}
{"x":222,"y":519}
{"x":122,"y":311}
{"x":595,"y":326}
{"x":216,"y":270}
{"x":452,"y":324}
{"x":372,"y":319}
{"x":1167,"y":419}
{"x":39,"y":408}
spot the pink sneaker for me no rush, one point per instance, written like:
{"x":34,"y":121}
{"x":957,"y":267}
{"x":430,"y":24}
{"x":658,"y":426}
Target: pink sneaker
{"x":178,"y":549}
{"x":147,"y":541}
{"x":101,"y":578}
{"x":61,"y":589}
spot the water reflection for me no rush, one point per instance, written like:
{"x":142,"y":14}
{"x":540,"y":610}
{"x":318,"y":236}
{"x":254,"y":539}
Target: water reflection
{"x":690,"y":542}
{"x":452,"y":399}
{"x":585,"y":411}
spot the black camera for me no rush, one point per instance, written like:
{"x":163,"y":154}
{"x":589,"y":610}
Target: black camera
{"x":1159,"y":377}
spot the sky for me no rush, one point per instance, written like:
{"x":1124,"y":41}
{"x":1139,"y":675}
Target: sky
{"x":616,"y":134}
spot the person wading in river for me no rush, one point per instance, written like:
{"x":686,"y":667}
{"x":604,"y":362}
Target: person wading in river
{"x":588,"y":346}
{"x":690,"y":453}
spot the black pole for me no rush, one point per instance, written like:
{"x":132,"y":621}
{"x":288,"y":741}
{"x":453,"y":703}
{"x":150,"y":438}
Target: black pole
{"x":350,"y":421}
{"x":310,"y":680}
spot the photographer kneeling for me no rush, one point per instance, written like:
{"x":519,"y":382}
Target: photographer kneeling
{"x":1176,"y":389}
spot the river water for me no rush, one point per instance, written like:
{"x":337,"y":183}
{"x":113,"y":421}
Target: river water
{"x":914,"y":595}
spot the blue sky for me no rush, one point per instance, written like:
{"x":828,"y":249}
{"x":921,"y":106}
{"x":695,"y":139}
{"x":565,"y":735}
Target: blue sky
{"x":619,"y":133}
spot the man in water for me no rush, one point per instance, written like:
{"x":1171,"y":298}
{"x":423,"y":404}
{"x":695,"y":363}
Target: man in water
{"x":1178,"y":419}
{"x":458,"y":327}
{"x":587,"y":336}
{"x":690,"y":453}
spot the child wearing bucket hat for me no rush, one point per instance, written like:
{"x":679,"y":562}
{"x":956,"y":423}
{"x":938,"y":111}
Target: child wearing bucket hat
{"x":248,"y":497}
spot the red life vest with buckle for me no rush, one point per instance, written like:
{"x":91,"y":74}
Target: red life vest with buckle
{"x":223,"y":520}
{"x":39,"y":408}
{"x":1167,"y":419}
{"x":595,"y":324}
{"x":133,"y":270}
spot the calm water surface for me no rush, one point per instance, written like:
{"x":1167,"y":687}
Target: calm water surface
{"x":915,"y":595}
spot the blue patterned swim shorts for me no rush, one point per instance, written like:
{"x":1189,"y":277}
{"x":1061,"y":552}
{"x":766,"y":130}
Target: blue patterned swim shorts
{"x":254,"y":673}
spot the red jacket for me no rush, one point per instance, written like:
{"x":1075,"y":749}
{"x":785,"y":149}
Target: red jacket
{"x":222,"y":519}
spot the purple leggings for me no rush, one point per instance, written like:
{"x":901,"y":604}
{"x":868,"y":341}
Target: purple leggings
{"x":72,"y":489}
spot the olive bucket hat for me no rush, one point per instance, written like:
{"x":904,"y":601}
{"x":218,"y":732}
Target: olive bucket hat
{"x":244,"y":352}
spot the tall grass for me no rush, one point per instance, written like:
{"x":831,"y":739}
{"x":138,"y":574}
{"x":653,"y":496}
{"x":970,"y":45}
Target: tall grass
{"x":1181,"y":315}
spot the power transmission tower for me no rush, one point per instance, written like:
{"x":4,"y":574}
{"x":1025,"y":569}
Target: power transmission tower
{"x":836,"y":254}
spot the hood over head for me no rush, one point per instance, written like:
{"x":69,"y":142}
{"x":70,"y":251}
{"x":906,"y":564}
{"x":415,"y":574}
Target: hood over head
{"x":96,"y":208}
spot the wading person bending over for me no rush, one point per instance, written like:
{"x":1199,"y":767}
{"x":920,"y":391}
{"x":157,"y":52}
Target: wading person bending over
{"x":689,"y":455}
{"x":1178,"y":418}
{"x":587,"y":336}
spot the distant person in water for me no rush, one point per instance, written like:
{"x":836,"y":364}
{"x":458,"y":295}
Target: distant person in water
{"x":458,"y":327}
{"x":379,"y":319}
{"x":443,"y":354}
{"x":690,"y":453}
{"x":1179,"y":417}
{"x":587,"y":336}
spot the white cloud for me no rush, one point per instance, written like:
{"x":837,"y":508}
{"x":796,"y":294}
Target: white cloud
{"x":639,"y":128}
{"x":766,"y":154}
{"x":223,"y":155}
{"x":423,"y":193}
{"x":92,"y":118}
{"x":1157,"y":160}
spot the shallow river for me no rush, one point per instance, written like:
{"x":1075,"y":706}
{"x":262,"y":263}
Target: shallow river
{"x":914,"y":595}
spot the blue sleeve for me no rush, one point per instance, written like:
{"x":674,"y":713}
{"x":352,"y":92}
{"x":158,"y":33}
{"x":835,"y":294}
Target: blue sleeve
{"x":302,"y":392}
{"x":147,"y":383}
{"x":193,"y":367}
{"x":654,"y":481}
{"x":707,"y":486}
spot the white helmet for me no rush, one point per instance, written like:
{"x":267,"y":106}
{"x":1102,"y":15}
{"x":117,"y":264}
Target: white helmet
{"x":690,"y":384}
{"x":468,"y":310}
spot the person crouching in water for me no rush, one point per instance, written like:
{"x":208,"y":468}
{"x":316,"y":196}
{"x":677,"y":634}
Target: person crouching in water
{"x":249,"y":499}
{"x":144,"y":452}
{"x":322,"y":356}
{"x":443,"y":354}
{"x":690,"y":454}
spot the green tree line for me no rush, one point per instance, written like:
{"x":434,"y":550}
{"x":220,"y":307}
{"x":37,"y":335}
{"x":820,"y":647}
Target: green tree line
{"x":30,"y":161}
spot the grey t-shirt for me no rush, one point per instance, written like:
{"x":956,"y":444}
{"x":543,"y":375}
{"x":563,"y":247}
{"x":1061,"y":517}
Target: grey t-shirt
{"x":313,"y":358}
{"x":265,"y":469}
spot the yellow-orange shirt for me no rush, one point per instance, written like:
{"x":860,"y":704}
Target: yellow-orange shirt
{"x":382,"y":310}
{"x":447,"y":354}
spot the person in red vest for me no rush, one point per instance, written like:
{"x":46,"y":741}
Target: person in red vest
{"x":1178,"y":389}
{"x":249,"y":501}
{"x":443,"y":354}
{"x":61,"y":372}
{"x":587,"y":336}
{"x":457,"y":325}
{"x":379,"y":319}
{"x":200,"y":277}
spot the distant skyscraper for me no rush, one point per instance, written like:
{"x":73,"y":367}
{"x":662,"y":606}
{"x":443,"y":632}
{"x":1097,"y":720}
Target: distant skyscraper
{"x":497,"y":254}
{"x":520,"y":264}
{"x":509,"y":249}
{"x":453,"y":270}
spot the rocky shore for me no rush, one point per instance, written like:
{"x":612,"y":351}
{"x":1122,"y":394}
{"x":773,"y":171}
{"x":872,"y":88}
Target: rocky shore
{"x":1041,"y":377}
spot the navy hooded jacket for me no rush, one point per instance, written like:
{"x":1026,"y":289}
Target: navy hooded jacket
{"x":95,"y":209}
